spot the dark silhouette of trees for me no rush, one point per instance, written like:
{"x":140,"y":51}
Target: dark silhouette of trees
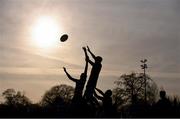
{"x":131,"y":86}
{"x":56,"y":101}
{"x":62,"y":93}
{"x":152,"y":92}
{"x":16,"y":104}
{"x":117,"y":96}
{"x":15,"y":98}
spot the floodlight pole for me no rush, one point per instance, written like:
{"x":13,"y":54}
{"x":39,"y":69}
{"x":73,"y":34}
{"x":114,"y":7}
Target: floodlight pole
{"x":144,"y":67}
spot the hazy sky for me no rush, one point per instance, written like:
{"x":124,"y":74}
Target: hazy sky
{"x":121,"y":31}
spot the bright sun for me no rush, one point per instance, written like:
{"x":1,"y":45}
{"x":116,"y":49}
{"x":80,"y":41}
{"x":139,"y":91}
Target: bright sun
{"x":45,"y":32}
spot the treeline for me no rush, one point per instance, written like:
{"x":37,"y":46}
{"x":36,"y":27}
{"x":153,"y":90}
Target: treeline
{"x":127,"y":101}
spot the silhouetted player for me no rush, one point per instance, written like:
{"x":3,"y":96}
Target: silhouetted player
{"x":163,"y":105}
{"x":96,"y":68}
{"x":105,"y":98}
{"x":79,"y":82}
{"x":108,"y":110}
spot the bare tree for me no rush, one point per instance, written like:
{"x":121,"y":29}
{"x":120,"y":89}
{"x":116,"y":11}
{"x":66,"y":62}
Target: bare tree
{"x":15,"y":98}
{"x":131,"y":86}
{"x":58,"y":94}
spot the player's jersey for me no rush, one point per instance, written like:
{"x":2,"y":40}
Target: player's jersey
{"x":93,"y":79}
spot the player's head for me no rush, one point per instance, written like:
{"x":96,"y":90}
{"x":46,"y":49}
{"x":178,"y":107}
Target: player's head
{"x":83,"y":76}
{"x":98,"y":59}
{"x":162,"y":94}
{"x":108,"y":93}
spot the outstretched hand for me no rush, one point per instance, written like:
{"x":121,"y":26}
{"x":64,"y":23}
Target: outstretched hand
{"x":88,"y":48}
{"x":97,"y":89}
{"x":64,"y":69}
{"x":84,"y":48}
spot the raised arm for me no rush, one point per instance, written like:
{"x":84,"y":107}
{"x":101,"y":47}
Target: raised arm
{"x":100,"y":91}
{"x":91,"y":62}
{"x":69,"y":76}
{"x":85,"y":51}
{"x":91,"y":53}
{"x":86,"y":58}
{"x":97,"y":96}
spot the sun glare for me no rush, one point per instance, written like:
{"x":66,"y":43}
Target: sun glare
{"x":45,"y":32}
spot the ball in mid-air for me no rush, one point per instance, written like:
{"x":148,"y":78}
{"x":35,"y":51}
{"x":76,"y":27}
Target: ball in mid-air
{"x":64,"y":37}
